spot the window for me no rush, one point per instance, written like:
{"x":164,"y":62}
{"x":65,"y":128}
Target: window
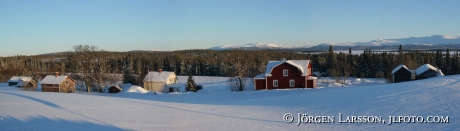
{"x":275,"y":83}
{"x":285,"y":72}
{"x":291,"y":83}
{"x":66,"y":82}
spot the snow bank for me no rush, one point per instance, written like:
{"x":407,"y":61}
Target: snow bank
{"x":135,"y":89}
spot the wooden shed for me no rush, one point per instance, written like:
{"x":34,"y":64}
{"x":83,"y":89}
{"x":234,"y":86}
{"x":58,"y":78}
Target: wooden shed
{"x":161,"y":81}
{"x":23,"y":81}
{"x":401,"y":73}
{"x":286,"y":74}
{"x":114,"y":89}
{"x":56,"y":83}
{"x":427,"y":71}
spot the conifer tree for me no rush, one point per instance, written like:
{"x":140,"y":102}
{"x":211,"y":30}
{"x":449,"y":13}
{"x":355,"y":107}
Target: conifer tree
{"x":191,"y":85}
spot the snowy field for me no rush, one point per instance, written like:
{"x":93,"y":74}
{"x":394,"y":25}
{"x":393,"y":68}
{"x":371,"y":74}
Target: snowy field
{"x":216,"y":108}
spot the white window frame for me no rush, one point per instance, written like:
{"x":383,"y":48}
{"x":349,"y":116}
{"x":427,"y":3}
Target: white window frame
{"x":275,"y":83}
{"x":291,"y":83}
{"x":285,"y":72}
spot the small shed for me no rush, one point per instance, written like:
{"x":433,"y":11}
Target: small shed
{"x":114,"y":89}
{"x":311,"y":81}
{"x":23,"y":81}
{"x":401,"y":73}
{"x":427,"y":71}
{"x":161,"y":81}
{"x":56,"y":83}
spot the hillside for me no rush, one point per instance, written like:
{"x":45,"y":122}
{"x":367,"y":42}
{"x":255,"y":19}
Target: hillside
{"x":216,"y":108}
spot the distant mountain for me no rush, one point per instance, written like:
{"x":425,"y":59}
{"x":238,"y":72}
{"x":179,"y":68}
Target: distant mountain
{"x":428,"y":42}
{"x":255,"y":46}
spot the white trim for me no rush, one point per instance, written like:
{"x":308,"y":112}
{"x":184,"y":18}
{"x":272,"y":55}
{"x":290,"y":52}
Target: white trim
{"x":276,"y":83}
{"x":285,"y":72}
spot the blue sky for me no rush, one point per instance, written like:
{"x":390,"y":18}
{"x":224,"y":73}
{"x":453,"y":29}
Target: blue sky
{"x":30,"y":27}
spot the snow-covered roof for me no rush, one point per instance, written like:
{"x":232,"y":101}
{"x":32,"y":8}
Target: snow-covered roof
{"x":302,"y":65}
{"x":260,"y":76}
{"x":424,"y":68}
{"x":311,"y":78}
{"x":52,"y":79}
{"x":399,"y":67}
{"x":20,"y":78}
{"x":116,"y":86}
{"x":22,"y":83}
{"x":158,"y":77}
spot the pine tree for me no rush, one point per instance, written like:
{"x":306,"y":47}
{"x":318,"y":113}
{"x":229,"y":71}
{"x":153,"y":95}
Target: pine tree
{"x":191,"y":85}
{"x":447,"y":67}
{"x":128,"y":73}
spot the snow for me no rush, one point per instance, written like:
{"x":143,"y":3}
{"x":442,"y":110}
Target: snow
{"x":159,"y":77}
{"x":424,"y":68}
{"x":259,"y":45}
{"x":18,"y":78}
{"x":216,"y":108}
{"x":399,"y":67}
{"x":260,"y":76}
{"x":302,"y":65}
{"x":52,"y":79}
{"x":135,"y":89}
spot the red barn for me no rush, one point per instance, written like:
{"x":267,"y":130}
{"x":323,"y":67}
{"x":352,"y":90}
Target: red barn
{"x":286,"y":74}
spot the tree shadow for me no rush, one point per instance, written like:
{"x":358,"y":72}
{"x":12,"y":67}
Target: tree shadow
{"x":35,"y":99}
{"x":44,"y":123}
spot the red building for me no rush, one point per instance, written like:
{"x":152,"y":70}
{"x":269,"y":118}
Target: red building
{"x":286,"y":74}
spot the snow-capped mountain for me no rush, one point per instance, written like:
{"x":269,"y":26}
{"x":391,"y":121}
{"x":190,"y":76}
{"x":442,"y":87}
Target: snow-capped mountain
{"x":252,"y":46}
{"x":428,"y":41}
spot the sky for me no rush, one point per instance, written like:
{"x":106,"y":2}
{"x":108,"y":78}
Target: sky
{"x":31,"y":27}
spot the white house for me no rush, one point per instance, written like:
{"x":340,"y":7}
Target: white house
{"x":161,"y":81}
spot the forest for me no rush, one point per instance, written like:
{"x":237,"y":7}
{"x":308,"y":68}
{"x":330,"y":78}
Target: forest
{"x":92,"y":66}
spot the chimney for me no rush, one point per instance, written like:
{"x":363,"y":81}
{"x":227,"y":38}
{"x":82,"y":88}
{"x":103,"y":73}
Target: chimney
{"x":160,"y":70}
{"x":57,"y":74}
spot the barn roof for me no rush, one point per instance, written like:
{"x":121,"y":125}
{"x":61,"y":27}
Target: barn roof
{"x":158,"y":77}
{"x":424,"y":68}
{"x":399,"y":67}
{"x":52,"y":79}
{"x":260,"y":76}
{"x":302,"y":65}
{"x":20,"y":78}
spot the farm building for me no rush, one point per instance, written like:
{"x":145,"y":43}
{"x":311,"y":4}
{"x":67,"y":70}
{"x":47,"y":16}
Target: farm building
{"x":114,"y":89}
{"x":23,"y":81}
{"x":161,"y":81}
{"x":56,"y":83}
{"x":427,"y":71}
{"x":401,"y":73}
{"x":286,"y":74}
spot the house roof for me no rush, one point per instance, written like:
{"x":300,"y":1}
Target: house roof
{"x":399,"y":67}
{"x":260,"y":76}
{"x":302,"y":65}
{"x":22,"y":83}
{"x":116,"y":86}
{"x":20,"y":78}
{"x":424,"y":68}
{"x":52,"y":79}
{"x":158,"y":77}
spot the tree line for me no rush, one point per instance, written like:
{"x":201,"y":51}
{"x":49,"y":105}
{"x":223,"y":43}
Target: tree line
{"x":93,"y":67}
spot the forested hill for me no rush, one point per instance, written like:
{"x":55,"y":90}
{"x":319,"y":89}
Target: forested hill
{"x":247,"y":63}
